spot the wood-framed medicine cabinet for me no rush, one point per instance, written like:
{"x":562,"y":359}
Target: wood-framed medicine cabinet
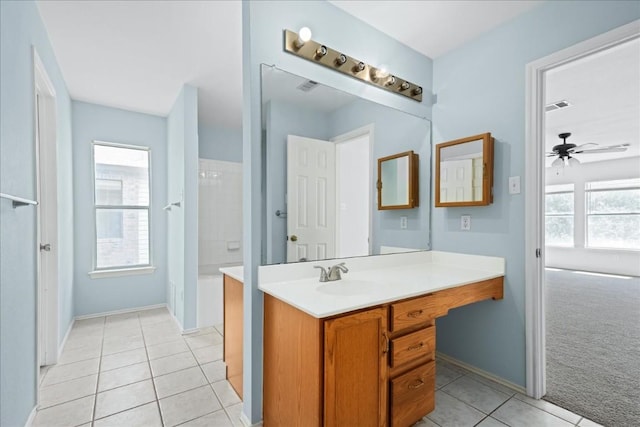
{"x":398,"y":181}
{"x":464,"y":172}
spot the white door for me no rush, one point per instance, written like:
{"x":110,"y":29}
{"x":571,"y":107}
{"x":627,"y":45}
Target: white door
{"x":354,"y":197}
{"x":47,"y":212}
{"x":456,"y":180}
{"x":311,"y":199}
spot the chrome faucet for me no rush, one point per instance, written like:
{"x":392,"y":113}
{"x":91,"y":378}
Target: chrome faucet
{"x":333,"y":273}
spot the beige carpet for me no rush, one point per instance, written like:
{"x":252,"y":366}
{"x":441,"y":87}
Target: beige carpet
{"x":593,"y":346}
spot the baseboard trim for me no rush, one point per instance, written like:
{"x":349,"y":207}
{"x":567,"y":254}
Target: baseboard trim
{"x":175,"y":319}
{"x":32,"y":416}
{"x":64,"y":340}
{"x":125,"y":310}
{"x":246,"y":423}
{"x":482,"y":373}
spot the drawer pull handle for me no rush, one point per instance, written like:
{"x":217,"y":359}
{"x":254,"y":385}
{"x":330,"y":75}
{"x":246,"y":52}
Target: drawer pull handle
{"x":415,"y":313}
{"x":386,"y":343}
{"x":416,"y":384}
{"x":416,"y":347}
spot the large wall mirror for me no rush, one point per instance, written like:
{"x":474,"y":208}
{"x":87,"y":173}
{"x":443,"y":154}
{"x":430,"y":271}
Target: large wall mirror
{"x":320,"y":147}
{"x":464,"y":172}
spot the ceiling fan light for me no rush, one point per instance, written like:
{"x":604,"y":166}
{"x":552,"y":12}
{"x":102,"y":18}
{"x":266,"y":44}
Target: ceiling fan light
{"x":571,"y":161}
{"x":558,"y":163}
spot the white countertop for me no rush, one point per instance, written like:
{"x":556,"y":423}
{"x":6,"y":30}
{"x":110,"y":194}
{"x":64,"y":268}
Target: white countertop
{"x":374,"y":280}
{"x":237,"y":272}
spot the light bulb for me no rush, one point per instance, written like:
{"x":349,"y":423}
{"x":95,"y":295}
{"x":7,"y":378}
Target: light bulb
{"x":572,"y":162}
{"x":304,"y":35}
{"x":379,"y":73}
{"x":558,"y":163}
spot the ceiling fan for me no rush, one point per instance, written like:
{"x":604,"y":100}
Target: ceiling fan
{"x":565,"y":151}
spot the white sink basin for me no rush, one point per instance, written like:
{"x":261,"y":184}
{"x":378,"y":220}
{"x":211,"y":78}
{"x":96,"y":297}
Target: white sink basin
{"x":346,"y":287}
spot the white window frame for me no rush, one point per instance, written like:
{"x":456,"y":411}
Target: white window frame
{"x":587,"y":192}
{"x":573,"y":213}
{"x":124,"y":270}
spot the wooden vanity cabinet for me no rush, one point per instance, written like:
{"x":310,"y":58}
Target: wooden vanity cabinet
{"x":355,"y":365}
{"x":232,"y":354}
{"x":330,"y":372}
{"x":372,"y":367}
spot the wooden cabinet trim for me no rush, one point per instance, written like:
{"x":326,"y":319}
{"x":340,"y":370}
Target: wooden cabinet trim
{"x":233,"y":294}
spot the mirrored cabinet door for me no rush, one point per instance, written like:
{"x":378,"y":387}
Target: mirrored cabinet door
{"x":398,"y":181}
{"x":464,"y":171}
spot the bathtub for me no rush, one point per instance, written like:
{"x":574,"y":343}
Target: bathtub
{"x":210,"y":303}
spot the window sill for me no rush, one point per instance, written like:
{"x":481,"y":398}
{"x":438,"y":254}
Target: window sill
{"x":99,"y":274}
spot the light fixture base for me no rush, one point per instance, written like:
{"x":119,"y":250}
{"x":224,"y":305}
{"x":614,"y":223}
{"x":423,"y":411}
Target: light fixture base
{"x":350,"y":67}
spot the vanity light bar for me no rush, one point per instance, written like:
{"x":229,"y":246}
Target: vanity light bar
{"x":321,"y":54}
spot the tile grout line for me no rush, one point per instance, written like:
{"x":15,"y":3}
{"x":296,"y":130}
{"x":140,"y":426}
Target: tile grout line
{"x":153,"y":382}
{"x":208,"y":383}
{"x":95,"y":396}
{"x":544,"y":410}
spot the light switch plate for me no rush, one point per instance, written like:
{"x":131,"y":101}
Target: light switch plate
{"x":514,"y":185}
{"x":465,"y":222}
{"x":403,"y":222}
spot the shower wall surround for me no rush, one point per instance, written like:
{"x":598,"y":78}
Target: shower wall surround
{"x":219,"y":214}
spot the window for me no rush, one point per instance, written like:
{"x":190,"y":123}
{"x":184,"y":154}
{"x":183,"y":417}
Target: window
{"x":613,"y":214}
{"x":558,"y":220}
{"x":121,"y":206}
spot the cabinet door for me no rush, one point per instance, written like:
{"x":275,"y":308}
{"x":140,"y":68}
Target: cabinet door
{"x":355,"y":363}
{"x":233,"y":296}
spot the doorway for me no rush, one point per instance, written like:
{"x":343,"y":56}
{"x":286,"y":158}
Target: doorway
{"x":47,"y":216}
{"x":537,"y":117}
{"x":329,"y":196}
{"x":353,"y":196}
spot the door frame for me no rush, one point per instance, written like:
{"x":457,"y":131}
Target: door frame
{"x":353,"y":134}
{"x":535,"y":328}
{"x":44,"y":125}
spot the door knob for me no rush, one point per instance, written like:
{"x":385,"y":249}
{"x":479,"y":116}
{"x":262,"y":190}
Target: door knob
{"x":45,"y":247}
{"x":294,"y":238}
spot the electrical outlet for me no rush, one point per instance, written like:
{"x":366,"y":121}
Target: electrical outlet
{"x":403,"y":222}
{"x":465,"y":222}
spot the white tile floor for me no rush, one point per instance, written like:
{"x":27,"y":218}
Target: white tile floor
{"x":464,"y":399}
{"x":136,"y":369}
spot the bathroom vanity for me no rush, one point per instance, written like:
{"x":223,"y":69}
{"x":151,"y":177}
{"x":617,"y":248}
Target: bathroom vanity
{"x":232,"y":332}
{"x":361,"y":350}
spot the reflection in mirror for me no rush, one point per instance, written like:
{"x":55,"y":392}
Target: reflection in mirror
{"x":398,"y":181}
{"x":464,"y":169}
{"x":319,"y":148}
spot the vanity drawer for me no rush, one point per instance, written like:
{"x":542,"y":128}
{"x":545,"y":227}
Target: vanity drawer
{"x":415,"y":311}
{"x":413,"y":346}
{"x":412,"y":395}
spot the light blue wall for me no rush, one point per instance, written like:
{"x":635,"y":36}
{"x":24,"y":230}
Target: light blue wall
{"x":481,"y":88}
{"x":283,"y":120}
{"x":96,"y":122}
{"x":394,"y":132}
{"x":262,"y":41}
{"x":182,"y":227}
{"x":20,"y":29}
{"x":220,"y":143}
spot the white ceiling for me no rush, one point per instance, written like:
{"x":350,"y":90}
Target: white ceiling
{"x":136,"y":55}
{"x":604,"y":92}
{"x":434,"y":27}
{"x":282,"y":86}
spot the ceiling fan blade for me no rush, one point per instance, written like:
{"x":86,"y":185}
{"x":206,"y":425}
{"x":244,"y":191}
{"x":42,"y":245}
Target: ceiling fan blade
{"x":584,"y":145}
{"x":603,"y":150}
